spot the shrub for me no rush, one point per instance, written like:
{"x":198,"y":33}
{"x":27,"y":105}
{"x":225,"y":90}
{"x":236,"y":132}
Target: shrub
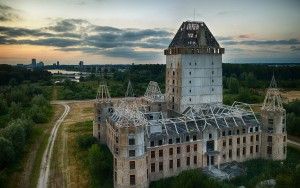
{"x":7,"y":154}
{"x":86,"y":141}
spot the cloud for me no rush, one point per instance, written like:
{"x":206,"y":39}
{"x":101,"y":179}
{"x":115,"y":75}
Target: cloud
{"x":7,"y":13}
{"x":221,"y":38}
{"x":262,"y":42}
{"x":80,"y":35}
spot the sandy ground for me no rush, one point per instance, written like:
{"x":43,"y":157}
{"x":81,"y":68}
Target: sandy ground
{"x":47,"y":156}
{"x":66,"y":170}
{"x":290,"y":95}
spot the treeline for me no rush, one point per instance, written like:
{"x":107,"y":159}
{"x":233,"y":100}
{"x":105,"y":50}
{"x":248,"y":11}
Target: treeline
{"x":21,"y":107}
{"x":13,"y":75}
{"x":293,"y":117}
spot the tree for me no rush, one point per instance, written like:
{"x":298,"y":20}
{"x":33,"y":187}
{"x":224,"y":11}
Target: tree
{"x":16,"y":134}
{"x":85,"y":141}
{"x":3,"y":106}
{"x":233,"y":85}
{"x":15,"y":110}
{"x":7,"y":154}
{"x":251,"y":81}
{"x":244,"y":95}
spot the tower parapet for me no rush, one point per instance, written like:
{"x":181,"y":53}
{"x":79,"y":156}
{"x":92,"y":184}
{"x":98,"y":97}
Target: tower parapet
{"x":273,"y":117}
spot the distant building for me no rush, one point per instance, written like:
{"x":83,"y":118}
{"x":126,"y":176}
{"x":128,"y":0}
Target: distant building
{"x":160,"y":135}
{"x":33,"y":63}
{"x":20,"y":65}
{"x":57,"y":63}
{"x":80,"y":63}
{"x":40,"y":65}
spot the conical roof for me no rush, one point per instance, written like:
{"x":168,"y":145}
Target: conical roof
{"x":192,"y":34}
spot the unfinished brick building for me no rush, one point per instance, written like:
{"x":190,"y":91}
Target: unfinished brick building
{"x":160,"y":135}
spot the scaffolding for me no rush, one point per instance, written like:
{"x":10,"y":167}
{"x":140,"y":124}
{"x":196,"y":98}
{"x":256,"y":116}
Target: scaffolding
{"x":103,"y":94}
{"x":153,"y":93}
{"x":272,"y":101}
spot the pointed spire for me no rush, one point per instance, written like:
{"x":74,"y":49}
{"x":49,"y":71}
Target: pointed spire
{"x":129,"y":91}
{"x":103,"y":93}
{"x":273,"y":83}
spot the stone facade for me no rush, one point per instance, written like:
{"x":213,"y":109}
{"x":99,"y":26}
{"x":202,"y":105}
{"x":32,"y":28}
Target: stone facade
{"x":159,"y":136}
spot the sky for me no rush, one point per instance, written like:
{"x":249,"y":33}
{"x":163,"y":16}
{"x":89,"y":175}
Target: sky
{"x":137,"y":31}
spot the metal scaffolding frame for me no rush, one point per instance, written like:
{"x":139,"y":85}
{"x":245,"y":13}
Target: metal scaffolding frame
{"x":103,"y":94}
{"x":153,"y":93}
{"x":273,"y":99}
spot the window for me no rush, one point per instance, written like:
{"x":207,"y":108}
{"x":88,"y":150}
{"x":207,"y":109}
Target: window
{"x":256,"y":148}
{"x":190,"y":99}
{"x":152,"y":167}
{"x":115,"y":176}
{"x":173,"y":73}
{"x":160,"y":142}
{"x":223,"y":133}
{"x":131,"y":141}
{"x":178,"y":150}
{"x":152,"y":143}
{"x":224,"y":143}
{"x":269,"y":138}
{"x":190,"y":81}
{"x":270,"y":121}
{"x":190,"y":73}
{"x":188,"y":161}
{"x":117,"y":139}
{"x":160,"y":166}
{"x":238,"y":140}
{"x":195,"y":147}
{"x":230,"y":153}
{"x":269,"y":150}
{"x":190,"y":91}
{"x":256,"y":129}
{"x":116,"y":162}
{"x":224,"y":156}
{"x":257,"y":137}
{"x":171,"y":151}
{"x":132,"y":165}
{"x":284,"y":139}
{"x":283,"y":121}
{"x":210,"y":135}
{"x":238,"y":132}
{"x":238,"y":152}
{"x":230,"y":142}
{"x":187,"y":138}
{"x":188,"y":148}
{"x":195,"y":159}
{"x":171,"y":164}
{"x":229,"y":133}
{"x":244,"y":139}
{"x":160,"y":153}
{"x":173,"y":81}
{"x":152,"y":154}
{"x":212,"y":72}
{"x":194,"y":137}
{"x":244,"y":131}
{"x":178,"y":163}
{"x":251,"y":138}
{"x":251,"y":149}
{"x":244,"y":150}
{"x":132,"y":179}
{"x":251,"y":130}
{"x":131,"y":153}
{"x":177,"y":140}
{"x":170,"y":141}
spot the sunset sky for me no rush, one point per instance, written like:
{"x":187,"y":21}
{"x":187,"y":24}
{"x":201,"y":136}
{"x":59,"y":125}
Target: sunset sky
{"x":127,"y":31}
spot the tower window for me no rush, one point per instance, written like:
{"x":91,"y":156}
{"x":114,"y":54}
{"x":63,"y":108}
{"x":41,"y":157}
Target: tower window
{"x":269,"y":138}
{"x":190,"y":90}
{"x":173,"y":81}
{"x":188,"y":161}
{"x":212,"y":80}
{"x":161,"y":166}
{"x":212,"y":72}
{"x":173,"y":73}
{"x":152,"y":167}
{"x":190,"y":99}
{"x":171,"y":164}
{"x":210,"y":136}
{"x":269,"y":150}
{"x":190,"y":63}
{"x":132,"y":165}
{"x":131,"y":141}
{"x":131,"y":153}
{"x":270,"y":121}
{"x":132,"y":179}
{"x":190,"y":73}
{"x":170,"y":141}
{"x":244,"y":150}
{"x":178,"y":163}
{"x":190,"y":81}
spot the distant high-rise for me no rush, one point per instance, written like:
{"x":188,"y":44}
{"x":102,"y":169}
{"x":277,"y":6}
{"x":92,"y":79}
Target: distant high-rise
{"x":57,"y":63}
{"x":33,"y":63}
{"x":40,"y":64}
{"x":80,"y":63}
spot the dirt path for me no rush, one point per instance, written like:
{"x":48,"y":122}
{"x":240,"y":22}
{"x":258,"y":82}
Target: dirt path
{"x":294,"y":144}
{"x":45,"y":164}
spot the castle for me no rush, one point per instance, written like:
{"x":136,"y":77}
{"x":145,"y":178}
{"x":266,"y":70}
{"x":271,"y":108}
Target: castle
{"x":160,"y":135}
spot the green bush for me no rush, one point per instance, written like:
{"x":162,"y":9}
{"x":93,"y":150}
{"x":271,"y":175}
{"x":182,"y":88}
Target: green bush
{"x":85,"y":141}
{"x":7,"y":154}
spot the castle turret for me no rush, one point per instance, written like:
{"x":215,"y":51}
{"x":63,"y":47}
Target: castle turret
{"x":273,"y":117}
{"x":193,"y":67}
{"x":102,"y":106}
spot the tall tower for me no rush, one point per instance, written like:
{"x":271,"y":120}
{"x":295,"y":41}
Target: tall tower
{"x":102,"y":106}
{"x":193,"y":67}
{"x":273,"y":116}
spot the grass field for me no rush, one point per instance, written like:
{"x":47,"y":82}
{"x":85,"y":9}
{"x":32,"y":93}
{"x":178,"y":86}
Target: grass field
{"x":67,"y":168}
